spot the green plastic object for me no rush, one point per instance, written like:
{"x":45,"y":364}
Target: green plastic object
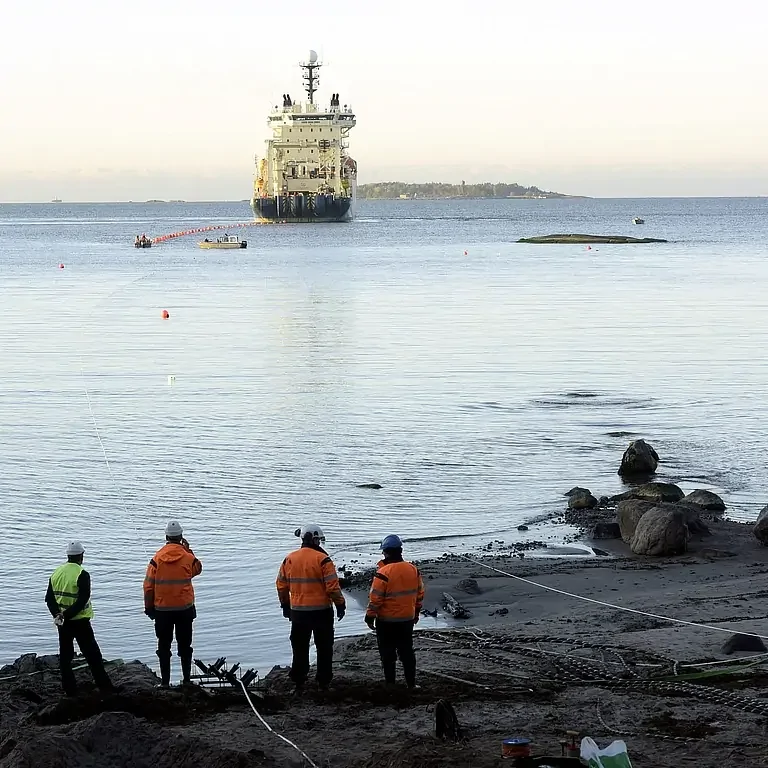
{"x":613,"y":756}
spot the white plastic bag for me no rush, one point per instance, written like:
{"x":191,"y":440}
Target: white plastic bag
{"x":613,"y":756}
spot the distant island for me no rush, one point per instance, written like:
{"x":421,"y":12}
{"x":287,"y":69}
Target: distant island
{"x":394,"y":190}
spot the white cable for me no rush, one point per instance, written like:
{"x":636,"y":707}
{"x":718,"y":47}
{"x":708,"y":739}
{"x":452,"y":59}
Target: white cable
{"x":272,"y":730}
{"x":612,"y":605}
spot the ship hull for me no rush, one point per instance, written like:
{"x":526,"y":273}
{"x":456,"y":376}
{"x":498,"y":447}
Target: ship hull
{"x":309,"y":209}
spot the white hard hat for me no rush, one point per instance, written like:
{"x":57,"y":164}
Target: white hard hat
{"x":173,"y":529}
{"x":310,"y":529}
{"x":75,"y":548}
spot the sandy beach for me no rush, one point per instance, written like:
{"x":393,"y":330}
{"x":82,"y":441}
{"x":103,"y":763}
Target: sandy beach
{"x":527,"y":662}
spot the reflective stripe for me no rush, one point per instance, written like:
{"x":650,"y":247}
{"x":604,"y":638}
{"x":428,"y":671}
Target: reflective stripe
{"x":400,"y":594}
{"x":172,"y":581}
{"x":381,"y":576}
{"x":297,"y":580}
{"x":330,"y":576}
{"x":311,"y":607}
{"x":378,"y":592}
{"x":175,"y":608}
{"x":66,"y":594}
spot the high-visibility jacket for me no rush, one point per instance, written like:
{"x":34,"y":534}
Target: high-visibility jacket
{"x":168,"y":583}
{"x":65,"y":589}
{"x":397,"y":592}
{"x":307,"y":581}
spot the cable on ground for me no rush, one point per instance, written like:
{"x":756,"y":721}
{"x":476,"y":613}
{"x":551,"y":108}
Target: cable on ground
{"x":612,"y":605}
{"x":272,"y":730}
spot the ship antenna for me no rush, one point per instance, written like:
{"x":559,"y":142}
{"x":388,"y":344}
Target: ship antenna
{"x":311,"y":75}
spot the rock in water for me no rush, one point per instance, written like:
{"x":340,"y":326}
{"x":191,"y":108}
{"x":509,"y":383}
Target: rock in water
{"x":668,"y":492}
{"x":606,"y":531}
{"x":581,"y":498}
{"x":640,"y":459}
{"x":761,"y":526}
{"x":706,"y":500}
{"x":741,"y":642}
{"x":629,"y":514}
{"x":661,"y":532}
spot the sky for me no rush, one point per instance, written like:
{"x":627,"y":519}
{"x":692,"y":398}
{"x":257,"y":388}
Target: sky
{"x":168,"y":99}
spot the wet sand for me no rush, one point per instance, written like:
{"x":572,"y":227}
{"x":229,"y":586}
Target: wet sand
{"x":528,"y":662}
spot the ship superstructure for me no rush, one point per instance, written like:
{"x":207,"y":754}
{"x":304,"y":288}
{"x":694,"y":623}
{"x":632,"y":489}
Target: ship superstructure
{"x":306,"y":174}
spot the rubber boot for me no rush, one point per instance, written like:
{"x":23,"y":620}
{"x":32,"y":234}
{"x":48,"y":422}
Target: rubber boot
{"x":165,"y":671}
{"x":186,"y":670}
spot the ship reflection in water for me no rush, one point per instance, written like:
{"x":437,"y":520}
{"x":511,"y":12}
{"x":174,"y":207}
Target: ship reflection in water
{"x":307,"y":175}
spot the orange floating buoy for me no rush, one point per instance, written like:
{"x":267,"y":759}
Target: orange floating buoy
{"x":589,"y":247}
{"x":61,"y":266}
{"x":466,"y":253}
{"x":165,"y":314}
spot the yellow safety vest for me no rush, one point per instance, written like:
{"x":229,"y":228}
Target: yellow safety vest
{"x":64,"y":583}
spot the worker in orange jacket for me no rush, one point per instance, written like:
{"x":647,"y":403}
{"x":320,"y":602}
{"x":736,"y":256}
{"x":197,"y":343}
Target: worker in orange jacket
{"x":169,"y":600}
{"x":394,"y":606}
{"x":308,"y":588}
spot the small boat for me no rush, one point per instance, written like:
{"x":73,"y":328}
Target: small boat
{"x":638,"y":220}
{"x":142,"y":242}
{"x":228,"y":241}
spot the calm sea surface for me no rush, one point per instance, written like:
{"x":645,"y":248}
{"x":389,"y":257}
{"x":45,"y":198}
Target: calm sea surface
{"x":476,"y":388}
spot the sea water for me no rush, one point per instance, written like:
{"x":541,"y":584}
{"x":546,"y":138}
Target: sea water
{"x":475,"y":387}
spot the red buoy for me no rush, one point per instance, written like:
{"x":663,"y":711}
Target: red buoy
{"x":165,"y":314}
{"x":466,"y":253}
{"x":61,"y":266}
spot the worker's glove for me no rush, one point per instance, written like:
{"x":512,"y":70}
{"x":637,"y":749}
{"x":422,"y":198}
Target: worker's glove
{"x":58,"y":620}
{"x":340,"y":611}
{"x":150,"y":612}
{"x":286,"y":611}
{"x":370,"y":621}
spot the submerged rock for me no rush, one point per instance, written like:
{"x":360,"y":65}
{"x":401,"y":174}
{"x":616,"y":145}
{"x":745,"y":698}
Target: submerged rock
{"x":707,"y":500}
{"x":661,"y":532}
{"x":470,"y":586}
{"x":761,"y":526}
{"x":639,"y":460}
{"x":629,"y":514}
{"x":581,"y":498}
{"x":589,"y":239}
{"x":371,"y":486}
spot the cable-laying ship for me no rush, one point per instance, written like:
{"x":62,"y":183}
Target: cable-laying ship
{"x":306,"y":174}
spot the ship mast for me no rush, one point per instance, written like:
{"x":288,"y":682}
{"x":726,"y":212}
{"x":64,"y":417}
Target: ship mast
{"x":311,"y":75}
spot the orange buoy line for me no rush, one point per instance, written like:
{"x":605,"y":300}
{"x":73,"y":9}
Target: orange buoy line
{"x":200,"y":230}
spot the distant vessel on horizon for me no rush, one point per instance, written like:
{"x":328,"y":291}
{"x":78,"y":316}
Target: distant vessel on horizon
{"x":56,"y":200}
{"x":307,"y":174}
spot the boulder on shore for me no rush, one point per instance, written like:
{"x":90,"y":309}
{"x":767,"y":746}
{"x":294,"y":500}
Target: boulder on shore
{"x":581,"y":498}
{"x":629,"y":514}
{"x":639,"y":460}
{"x":606,"y":531}
{"x":761,"y":527}
{"x":666,"y":492}
{"x":706,"y":500}
{"x":661,"y":532}
{"x":740,"y":642}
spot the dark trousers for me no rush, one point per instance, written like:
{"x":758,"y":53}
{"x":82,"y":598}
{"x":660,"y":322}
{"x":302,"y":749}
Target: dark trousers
{"x":395,"y":639}
{"x":82,"y":631}
{"x":305,"y":624}
{"x":179,"y":622}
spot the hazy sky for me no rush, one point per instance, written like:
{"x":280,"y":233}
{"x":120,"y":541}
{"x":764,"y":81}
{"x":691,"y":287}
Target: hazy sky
{"x":168,"y":99}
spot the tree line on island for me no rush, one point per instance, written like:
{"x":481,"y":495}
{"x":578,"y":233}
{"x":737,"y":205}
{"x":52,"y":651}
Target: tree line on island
{"x":436,"y":190}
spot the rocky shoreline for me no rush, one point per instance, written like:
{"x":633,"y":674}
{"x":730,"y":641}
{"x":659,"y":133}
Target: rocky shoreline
{"x":651,"y":656}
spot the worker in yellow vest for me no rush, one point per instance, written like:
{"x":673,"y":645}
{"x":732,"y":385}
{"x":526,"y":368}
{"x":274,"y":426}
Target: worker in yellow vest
{"x":69,"y":600}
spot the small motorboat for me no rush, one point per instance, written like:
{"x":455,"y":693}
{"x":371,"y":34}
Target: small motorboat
{"x":228,"y":241}
{"x":638,"y":220}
